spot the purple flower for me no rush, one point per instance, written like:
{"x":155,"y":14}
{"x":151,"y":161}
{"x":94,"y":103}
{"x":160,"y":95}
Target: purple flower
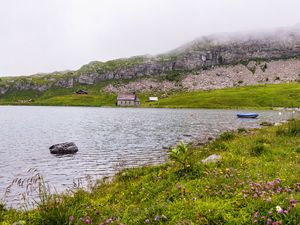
{"x":87,"y":220}
{"x":71,"y":218}
{"x":269,"y":221}
{"x":256,"y":214}
{"x":97,"y":212}
{"x":278,"y":190}
{"x":147,"y":221}
{"x":277,"y":181}
{"x":293,"y":201}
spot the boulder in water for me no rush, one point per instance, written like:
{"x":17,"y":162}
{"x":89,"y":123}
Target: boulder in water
{"x":64,"y":148}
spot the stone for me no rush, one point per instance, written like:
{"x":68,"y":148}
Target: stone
{"x":21,"y":222}
{"x":64,"y":148}
{"x":266,"y":124}
{"x":212,"y":159}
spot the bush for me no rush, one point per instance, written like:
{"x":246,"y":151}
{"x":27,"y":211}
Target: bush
{"x":258,"y":150}
{"x":173,"y":76}
{"x":226,"y":136}
{"x":242,"y":130}
{"x":260,"y":147}
{"x":181,"y":155}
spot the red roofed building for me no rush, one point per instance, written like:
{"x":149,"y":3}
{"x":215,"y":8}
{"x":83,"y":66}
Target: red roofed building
{"x":128,"y":100}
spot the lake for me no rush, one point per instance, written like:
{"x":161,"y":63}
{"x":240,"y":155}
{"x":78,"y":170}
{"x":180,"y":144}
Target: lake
{"x":106,"y":138}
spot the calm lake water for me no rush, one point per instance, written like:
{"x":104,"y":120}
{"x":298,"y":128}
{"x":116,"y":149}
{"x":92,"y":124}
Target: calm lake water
{"x":105,"y":137}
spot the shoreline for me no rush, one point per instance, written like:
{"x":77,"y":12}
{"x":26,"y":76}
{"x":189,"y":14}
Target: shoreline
{"x":224,"y":187}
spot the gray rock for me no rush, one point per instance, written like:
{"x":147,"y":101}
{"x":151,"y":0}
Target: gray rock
{"x":64,"y":148}
{"x":21,"y":222}
{"x":212,"y":159}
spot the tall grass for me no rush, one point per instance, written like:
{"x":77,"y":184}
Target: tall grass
{"x":291,"y":129}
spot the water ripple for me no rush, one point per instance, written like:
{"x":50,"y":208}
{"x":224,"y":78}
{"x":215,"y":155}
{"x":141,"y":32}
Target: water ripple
{"x":104,"y":136}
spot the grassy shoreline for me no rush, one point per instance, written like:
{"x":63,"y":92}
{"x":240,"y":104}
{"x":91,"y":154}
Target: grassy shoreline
{"x":244,"y":97}
{"x":255,"y":182}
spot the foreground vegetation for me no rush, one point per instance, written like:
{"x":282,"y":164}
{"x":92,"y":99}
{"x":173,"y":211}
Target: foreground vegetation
{"x":261,"y":96}
{"x":256,"y":181}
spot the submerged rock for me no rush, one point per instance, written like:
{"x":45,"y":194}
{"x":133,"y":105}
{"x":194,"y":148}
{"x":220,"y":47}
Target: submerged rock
{"x":212,"y":159}
{"x":64,"y":148}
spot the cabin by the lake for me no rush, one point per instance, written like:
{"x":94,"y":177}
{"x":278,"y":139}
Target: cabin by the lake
{"x":127,"y":100}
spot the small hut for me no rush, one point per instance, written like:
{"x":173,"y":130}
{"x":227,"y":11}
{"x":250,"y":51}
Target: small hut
{"x":128,"y":100}
{"x":153,"y":99}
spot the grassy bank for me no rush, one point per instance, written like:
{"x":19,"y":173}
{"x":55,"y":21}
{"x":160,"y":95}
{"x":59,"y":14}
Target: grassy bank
{"x":262,"y":96}
{"x":255,"y":182}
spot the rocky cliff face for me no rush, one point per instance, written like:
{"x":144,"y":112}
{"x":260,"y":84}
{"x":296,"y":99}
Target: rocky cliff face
{"x":203,"y":53}
{"x":251,"y":73}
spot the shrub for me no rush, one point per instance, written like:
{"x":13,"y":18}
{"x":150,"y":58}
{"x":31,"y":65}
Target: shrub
{"x":174,"y":76}
{"x":277,"y":78}
{"x":181,"y":155}
{"x":226,"y":136}
{"x":258,"y":149}
{"x":242,"y":130}
{"x":261,"y":146}
{"x":2,"y":211}
{"x":264,"y":67}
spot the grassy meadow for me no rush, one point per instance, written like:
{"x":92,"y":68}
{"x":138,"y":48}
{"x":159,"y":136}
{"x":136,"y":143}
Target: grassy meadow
{"x":261,"y":96}
{"x":256,"y":181}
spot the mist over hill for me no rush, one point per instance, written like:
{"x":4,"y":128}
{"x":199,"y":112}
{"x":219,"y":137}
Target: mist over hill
{"x":201,"y":54}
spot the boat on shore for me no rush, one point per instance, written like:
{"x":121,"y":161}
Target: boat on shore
{"x":247,"y":115}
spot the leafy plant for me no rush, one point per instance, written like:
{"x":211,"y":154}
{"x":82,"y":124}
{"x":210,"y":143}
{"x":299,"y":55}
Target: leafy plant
{"x":181,"y":155}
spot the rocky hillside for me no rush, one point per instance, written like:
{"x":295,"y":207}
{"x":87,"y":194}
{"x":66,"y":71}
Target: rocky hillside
{"x":199,"y":57}
{"x":250,"y":73}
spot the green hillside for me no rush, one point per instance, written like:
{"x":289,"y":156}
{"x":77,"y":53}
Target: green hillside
{"x":262,"y":96}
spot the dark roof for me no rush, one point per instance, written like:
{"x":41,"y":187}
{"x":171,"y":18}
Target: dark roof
{"x":126,"y":97}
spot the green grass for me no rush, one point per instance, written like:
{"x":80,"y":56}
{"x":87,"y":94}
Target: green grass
{"x":263,"y":96}
{"x":241,"y":188}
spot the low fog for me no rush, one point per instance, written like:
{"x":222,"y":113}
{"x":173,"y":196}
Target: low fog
{"x":56,"y":35}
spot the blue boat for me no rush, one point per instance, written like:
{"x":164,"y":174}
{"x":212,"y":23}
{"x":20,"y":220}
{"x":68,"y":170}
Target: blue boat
{"x":247,"y":115}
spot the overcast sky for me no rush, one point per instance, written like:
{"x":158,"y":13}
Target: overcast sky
{"x":50,"y":35}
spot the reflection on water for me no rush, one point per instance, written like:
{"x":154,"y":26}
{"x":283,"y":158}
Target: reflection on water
{"x":104,"y":136}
